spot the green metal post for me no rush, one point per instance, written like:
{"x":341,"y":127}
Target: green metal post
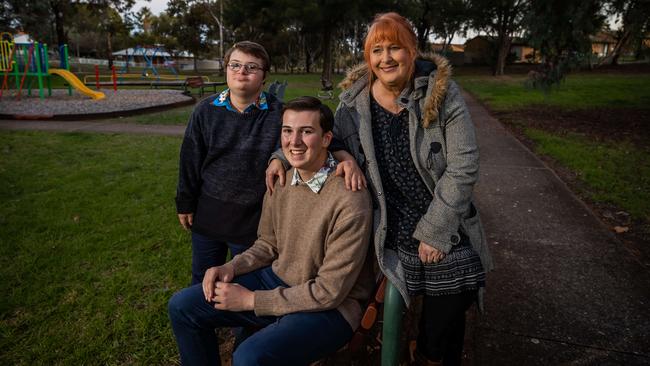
{"x":67,"y":65}
{"x":46,"y":71}
{"x":39,"y":76}
{"x":392,"y":330}
{"x":16,"y":71}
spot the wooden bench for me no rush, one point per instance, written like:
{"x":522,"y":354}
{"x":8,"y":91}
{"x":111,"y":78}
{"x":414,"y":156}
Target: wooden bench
{"x":197,"y":82}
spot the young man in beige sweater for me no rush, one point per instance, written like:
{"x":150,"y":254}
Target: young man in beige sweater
{"x":305,"y":276}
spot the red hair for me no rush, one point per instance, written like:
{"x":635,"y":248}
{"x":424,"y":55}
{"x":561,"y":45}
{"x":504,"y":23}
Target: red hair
{"x":394,"y":28}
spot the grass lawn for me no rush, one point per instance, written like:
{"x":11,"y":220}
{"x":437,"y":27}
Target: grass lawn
{"x":90,"y":248}
{"x":617,"y":174}
{"x":612,"y":172}
{"x":576,"y":92}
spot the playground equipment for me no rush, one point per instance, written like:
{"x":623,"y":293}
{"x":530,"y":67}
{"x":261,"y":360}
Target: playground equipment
{"x":149,"y":54}
{"x":24,"y":60}
{"x":76,"y":83}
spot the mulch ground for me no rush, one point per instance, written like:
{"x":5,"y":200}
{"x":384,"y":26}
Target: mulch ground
{"x":602,"y":124}
{"x":78,"y":106}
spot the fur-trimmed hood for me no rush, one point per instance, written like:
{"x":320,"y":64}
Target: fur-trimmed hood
{"x":432,"y":72}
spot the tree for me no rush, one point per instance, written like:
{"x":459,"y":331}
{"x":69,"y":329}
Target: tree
{"x":634,"y":17}
{"x":501,"y":19}
{"x":560,"y":30}
{"x":452,"y":19}
{"x":422,"y":14}
{"x":28,"y":16}
{"x":193,"y":25}
{"x":443,"y":18}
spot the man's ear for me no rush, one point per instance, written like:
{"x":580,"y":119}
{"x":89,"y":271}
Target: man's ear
{"x":327,"y":138}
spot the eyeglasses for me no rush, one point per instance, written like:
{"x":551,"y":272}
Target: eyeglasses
{"x":249,"y":68}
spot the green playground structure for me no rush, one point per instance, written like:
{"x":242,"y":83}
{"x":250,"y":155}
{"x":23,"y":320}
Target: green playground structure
{"x":30,"y":62}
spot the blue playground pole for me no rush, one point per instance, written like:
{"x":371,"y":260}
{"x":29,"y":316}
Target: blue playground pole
{"x":392,"y":329}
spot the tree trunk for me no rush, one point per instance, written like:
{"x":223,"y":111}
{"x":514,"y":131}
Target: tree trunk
{"x":613,"y":57}
{"x":502,"y":54}
{"x":109,"y":46}
{"x":423,"y":35}
{"x":618,"y":48}
{"x":59,"y":22}
{"x":195,"y":58}
{"x":307,"y":57}
{"x":327,"y":55}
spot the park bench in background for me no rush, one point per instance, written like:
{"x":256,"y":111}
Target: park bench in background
{"x":197,"y":82}
{"x":277,"y":89}
{"x":192,"y":82}
{"x":327,"y":92}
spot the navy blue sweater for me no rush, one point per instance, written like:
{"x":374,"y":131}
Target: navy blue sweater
{"x":223,"y":160}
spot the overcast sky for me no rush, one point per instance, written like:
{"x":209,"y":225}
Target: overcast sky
{"x":156,"y":6}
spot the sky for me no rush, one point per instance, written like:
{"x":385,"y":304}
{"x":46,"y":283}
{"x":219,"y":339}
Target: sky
{"x":156,"y":6}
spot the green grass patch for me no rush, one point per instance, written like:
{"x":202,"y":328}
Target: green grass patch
{"x":616,"y":173}
{"x":90,"y":248}
{"x":578,"y":91}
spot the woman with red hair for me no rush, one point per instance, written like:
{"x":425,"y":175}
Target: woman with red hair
{"x":405,"y":123}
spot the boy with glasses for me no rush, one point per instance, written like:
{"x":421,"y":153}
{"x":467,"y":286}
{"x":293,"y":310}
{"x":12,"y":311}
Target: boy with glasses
{"x":224,"y":154}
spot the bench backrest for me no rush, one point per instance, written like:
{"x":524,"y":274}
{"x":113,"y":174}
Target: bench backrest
{"x":194,"y":81}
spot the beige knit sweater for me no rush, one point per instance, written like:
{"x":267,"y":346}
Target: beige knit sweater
{"x":317,"y":243}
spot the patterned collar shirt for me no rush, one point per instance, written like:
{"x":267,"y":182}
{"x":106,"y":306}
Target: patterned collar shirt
{"x":318,"y":180}
{"x":223,"y":100}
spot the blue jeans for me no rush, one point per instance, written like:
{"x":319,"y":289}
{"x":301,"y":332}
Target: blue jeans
{"x":208,"y":253}
{"x":292,"y":339}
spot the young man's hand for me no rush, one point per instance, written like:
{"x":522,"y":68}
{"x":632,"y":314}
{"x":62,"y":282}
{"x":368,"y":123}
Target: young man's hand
{"x":275,"y":170}
{"x":233,"y":297}
{"x":223,"y":273}
{"x":186,"y":220}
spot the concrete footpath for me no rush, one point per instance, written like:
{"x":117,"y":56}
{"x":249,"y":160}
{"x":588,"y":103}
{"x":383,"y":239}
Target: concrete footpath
{"x":92,"y":126}
{"x":565,"y":290}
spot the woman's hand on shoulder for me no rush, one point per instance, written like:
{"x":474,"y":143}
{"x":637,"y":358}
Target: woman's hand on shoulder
{"x":274,"y":171}
{"x":429,"y":254}
{"x":350,"y":171}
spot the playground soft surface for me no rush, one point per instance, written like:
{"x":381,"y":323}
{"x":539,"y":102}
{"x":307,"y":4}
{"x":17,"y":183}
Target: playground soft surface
{"x":62,"y":105}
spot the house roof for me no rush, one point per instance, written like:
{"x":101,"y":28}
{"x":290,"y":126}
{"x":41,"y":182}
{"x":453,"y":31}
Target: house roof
{"x":23,"y":38}
{"x":516,"y":41}
{"x":453,"y":47}
{"x":602,"y":37}
{"x":149,"y":52}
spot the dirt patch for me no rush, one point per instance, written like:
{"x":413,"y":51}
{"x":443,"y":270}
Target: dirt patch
{"x":601,"y":124}
{"x":606,"y":125}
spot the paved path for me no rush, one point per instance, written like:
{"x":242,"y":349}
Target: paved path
{"x":565,"y":291}
{"x":93,"y":126}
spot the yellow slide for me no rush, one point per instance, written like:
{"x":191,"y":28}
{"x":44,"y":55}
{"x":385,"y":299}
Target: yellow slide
{"x":76,"y":83}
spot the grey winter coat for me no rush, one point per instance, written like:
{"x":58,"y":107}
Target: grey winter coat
{"x":443,"y":148}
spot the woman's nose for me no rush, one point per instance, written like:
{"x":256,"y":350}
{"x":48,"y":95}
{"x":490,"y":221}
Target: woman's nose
{"x":387,"y":56}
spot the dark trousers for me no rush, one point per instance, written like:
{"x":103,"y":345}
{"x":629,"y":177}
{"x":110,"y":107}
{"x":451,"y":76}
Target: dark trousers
{"x":292,"y":339}
{"x":207,"y":252}
{"x":442,"y":327}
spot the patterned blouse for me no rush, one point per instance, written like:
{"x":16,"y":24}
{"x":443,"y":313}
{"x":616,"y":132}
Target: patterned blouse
{"x":408,"y":199}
